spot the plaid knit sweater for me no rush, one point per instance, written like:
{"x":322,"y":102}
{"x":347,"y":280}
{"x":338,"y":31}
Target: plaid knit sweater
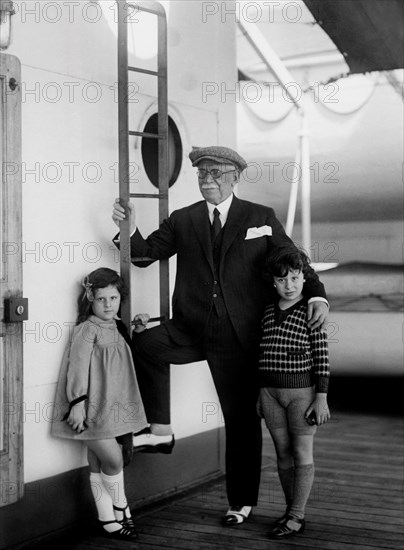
{"x":292,"y":355}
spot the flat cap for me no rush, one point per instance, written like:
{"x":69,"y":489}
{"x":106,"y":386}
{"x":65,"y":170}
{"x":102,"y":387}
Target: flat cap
{"x":218,"y":154}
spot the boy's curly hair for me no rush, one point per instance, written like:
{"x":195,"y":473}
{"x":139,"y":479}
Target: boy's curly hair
{"x":284,"y":259}
{"x":100,"y":278}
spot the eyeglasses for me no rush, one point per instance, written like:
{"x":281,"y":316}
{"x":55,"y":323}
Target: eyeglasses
{"x":215,"y":173}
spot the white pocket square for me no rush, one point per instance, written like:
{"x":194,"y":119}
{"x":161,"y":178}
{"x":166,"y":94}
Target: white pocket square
{"x":255,"y":232}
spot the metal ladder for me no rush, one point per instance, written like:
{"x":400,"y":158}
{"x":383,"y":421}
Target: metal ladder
{"x":124,"y":134}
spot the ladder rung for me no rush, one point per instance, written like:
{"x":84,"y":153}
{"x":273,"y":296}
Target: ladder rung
{"x":143,"y":8}
{"x":151,"y":320}
{"x":146,"y":134}
{"x":146,"y":71}
{"x":148,"y":195}
{"x":142,"y":259}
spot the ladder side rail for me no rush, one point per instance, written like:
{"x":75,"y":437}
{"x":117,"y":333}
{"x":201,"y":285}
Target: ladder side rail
{"x":123,"y":129}
{"x":163,"y":167}
{"x":162,"y":137}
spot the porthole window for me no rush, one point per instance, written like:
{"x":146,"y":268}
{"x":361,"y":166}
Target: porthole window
{"x":150,"y":151}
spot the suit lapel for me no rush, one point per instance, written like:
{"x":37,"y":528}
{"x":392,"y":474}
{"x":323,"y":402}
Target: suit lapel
{"x":200,"y":221}
{"x":234,"y":224}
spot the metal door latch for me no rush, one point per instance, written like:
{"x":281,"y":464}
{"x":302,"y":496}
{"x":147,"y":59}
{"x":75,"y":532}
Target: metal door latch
{"x":15,"y":310}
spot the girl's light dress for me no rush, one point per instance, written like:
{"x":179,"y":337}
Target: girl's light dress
{"x":98,"y":363}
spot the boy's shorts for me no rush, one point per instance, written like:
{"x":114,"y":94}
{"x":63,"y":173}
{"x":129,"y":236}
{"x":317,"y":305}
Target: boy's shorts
{"x":284,"y":408}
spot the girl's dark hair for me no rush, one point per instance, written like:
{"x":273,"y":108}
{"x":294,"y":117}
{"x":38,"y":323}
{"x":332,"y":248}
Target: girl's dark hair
{"x":100,"y":278}
{"x":286,"y":258}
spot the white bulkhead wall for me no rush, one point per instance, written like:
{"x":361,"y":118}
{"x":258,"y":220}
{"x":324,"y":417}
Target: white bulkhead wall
{"x":69,"y":173}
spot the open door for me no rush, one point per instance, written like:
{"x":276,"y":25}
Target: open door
{"x":12,"y":308}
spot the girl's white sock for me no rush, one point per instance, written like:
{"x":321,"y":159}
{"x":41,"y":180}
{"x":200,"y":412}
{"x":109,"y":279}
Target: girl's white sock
{"x":115,"y":486}
{"x":103,"y":503}
{"x":102,"y":498}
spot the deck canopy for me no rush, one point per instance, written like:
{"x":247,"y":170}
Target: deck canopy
{"x":369,"y":33}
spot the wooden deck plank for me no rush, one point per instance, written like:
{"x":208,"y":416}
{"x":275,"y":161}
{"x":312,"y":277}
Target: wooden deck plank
{"x":371,"y":521}
{"x":191,"y":536}
{"x":321,"y":533}
{"x":256,"y":538}
{"x":356,"y":502}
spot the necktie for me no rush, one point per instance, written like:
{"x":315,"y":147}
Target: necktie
{"x":217,"y":226}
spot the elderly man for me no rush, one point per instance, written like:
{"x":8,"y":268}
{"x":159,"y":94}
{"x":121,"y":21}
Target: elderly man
{"x":217,"y":305}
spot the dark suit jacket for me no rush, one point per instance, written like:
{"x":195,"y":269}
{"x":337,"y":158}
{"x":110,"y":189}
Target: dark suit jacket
{"x":187,"y":233}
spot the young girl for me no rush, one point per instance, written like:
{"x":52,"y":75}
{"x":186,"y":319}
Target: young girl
{"x":294,"y":374}
{"x":98,"y":397}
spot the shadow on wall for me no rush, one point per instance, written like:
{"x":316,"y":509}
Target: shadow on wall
{"x":365,"y":337}
{"x":360,"y":394}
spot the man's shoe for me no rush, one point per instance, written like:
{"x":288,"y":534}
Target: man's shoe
{"x":236,"y":515}
{"x":147,"y":442}
{"x":289,"y":528}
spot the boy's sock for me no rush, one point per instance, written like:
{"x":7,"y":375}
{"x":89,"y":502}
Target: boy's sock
{"x":103,"y":503}
{"x":304,"y":477}
{"x":287,"y":479}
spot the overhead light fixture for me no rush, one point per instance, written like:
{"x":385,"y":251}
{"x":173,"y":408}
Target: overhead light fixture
{"x":6,"y":11}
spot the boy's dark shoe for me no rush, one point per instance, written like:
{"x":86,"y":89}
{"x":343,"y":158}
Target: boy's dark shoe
{"x":288,"y":528}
